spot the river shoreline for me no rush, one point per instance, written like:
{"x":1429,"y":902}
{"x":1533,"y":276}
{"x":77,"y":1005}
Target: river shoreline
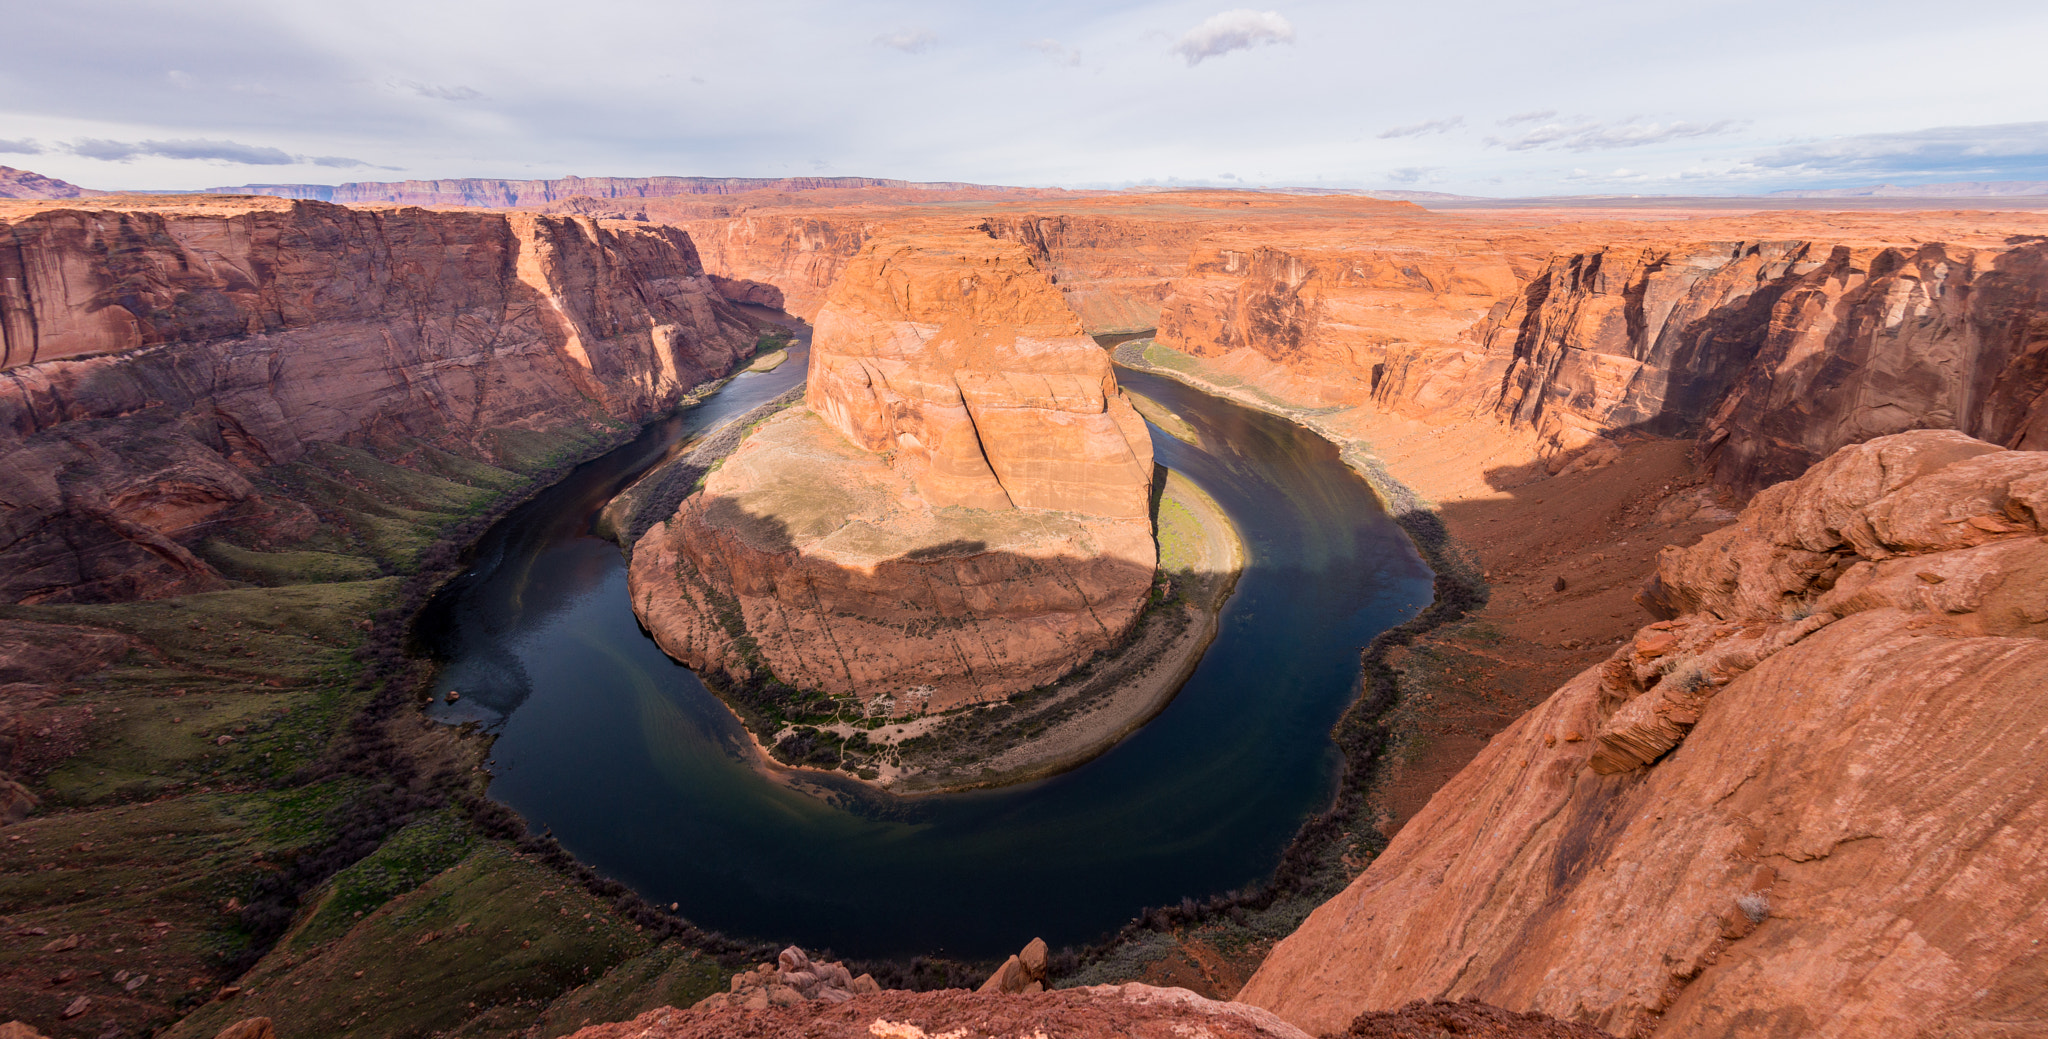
{"x":1075,"y":720}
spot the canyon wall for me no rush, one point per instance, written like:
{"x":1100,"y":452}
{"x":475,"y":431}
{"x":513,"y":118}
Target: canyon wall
{"x":960,"y":511}
{"x":1772,"y":353}
{"x":1771,"y":339}
{"x":159,"y":353}
{"x":1810,"y":804}
{"x":958,"y":354}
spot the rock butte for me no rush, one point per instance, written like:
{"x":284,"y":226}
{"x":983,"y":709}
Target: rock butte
{"x":959,"y":513}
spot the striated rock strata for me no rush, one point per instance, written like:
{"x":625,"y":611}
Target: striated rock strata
{"x":160,"y":353}
{"x":1771,"y":339}
{"x":1809,"y":804}
{"x":960,"y":512}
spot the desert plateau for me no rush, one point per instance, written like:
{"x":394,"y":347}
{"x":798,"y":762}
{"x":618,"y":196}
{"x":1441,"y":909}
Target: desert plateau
{"x":957,"y":522}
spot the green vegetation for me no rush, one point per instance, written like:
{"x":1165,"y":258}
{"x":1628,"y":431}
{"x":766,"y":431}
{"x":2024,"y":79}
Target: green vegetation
{"x":239,"y":784}
{"x":484,"y":946}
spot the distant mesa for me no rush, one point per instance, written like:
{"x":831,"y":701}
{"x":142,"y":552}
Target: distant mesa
{"x":506,"y":194}
{"x":960,"y":511}
{"x":22,"y":184}
{"x":1953,"y":189}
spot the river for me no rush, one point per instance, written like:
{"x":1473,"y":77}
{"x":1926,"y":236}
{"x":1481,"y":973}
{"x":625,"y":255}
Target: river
{"x":639,"y":771}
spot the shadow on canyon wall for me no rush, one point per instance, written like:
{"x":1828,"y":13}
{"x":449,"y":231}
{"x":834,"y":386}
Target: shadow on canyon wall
{"x":1763,"y":396}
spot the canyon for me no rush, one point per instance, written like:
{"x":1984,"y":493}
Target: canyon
{"x":1799,"y":800}
{"x":159,"y":354}
{"x":959,"y":511}
{"x":1566,"y":327}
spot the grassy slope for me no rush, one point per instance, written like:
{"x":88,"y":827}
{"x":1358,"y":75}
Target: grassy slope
{"x":224,"y":760}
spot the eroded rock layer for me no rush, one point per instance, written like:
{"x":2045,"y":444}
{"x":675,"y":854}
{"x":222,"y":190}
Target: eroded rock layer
{"x":1769,"y":338}
{"x":158,"y":353}
{"x":960,"y":512}
{"x":958,"y":355}
{"x":1810,"y":804}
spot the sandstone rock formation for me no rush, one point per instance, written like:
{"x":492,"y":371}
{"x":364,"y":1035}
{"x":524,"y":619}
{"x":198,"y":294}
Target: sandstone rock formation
{"x":1772,"y":338}
{"x":961,"y":512}
{"x":1024,"y":972}
{"x":158,"y":352}
{"x":791,"y":979}
{"x":959,"y":356}
{"x":1130,"y":1011}
{"x":1099,"y":1012}
{"x":1807,"y":805}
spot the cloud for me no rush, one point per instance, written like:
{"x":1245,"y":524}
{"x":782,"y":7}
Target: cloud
{"x":439,"y":92}
{"x":2002,"y":150}
{"x":1237,"y":30}
{"x":1057,"y":51}
{"x":909,"y":41}
{"x":1586,"y":137}
{"x":204,"y":150}
{"x":341,"y":162}
{"x":25,"y":146}
{"x":1529,"y":117}
{"x":1428,"y":127}
{"x":1416,"y":174}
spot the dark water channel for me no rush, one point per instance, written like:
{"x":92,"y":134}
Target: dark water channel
{"x":642,"y":773}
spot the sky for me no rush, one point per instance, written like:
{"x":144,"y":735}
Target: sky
{"x":1481,"y":97}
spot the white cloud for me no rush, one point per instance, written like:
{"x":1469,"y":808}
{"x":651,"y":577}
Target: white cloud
{"x":1628,"y":133}
{"x":1428,"y":127}
{"x":1241,"y":29}
{"x":1529,"y":117}
{"x":909,"y":41}
{"x":1416,"y":174}
{"x":1057,"y":51}
{"x":439,"y":92}
{"x":24,"y":146}
{"x":204,"y":150}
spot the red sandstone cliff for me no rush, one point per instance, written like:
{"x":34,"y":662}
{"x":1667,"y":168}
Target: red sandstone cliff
{"x":1772,"y":338}
{"x":1773,"y":353}
{"x":960,"y":512}
{"x":1809,"y":805}
{"x":158,"y":352}
{"x":958,"y":354}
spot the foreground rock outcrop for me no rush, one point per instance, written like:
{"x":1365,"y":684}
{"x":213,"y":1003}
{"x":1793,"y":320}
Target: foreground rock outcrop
{"x":961,"y":511}
{"x":1807,"y":805}
{"x":791,"y":979}
{"x":1129,"y":1011}
{"x":1098,"y":1012}
{"x":160,"y":353}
